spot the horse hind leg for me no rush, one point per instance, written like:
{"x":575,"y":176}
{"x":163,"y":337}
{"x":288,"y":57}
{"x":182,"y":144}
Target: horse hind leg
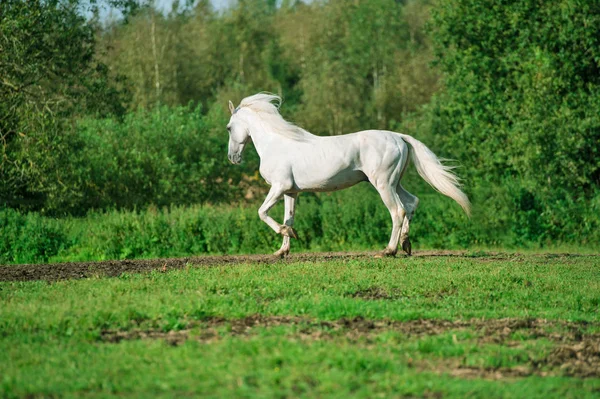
{"x":410,"y":203}
{"x":386,"y":181}
{"x":392,"y":202}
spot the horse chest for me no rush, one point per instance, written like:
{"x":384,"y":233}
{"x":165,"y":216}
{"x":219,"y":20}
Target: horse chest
{"x":268,"y":172}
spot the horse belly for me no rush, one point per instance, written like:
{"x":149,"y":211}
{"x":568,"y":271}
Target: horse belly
{"x":328,"y":182}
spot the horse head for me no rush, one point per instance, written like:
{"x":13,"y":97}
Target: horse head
{"x":239,"y":134}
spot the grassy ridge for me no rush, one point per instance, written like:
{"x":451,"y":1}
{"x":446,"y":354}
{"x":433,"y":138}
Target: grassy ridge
{"x":53,"y":334}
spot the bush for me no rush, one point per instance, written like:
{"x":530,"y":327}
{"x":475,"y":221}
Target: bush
{"x":163,"y":157}
{"x":168,"y":156}
{"x":354,"y":219}
{"x":519,"y":112}
{"x":29,"y":238}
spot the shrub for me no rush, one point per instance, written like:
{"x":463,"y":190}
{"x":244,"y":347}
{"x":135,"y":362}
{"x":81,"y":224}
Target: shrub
{"x":29,"y":238}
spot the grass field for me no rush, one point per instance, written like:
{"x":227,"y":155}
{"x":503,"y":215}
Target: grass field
{"x":479,"y":325}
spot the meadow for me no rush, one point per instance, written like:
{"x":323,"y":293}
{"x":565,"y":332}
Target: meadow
{"x":113,"y":149}
{"x":476,"y":324}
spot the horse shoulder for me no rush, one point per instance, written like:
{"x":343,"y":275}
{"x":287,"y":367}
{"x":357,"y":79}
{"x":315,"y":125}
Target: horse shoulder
{"x":276,"y":169}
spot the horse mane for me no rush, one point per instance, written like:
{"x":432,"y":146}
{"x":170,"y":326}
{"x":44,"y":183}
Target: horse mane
{"x":266,"y":106}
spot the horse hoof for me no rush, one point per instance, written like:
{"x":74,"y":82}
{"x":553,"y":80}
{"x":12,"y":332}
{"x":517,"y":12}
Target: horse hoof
{"x":288,"y":232}
{"x":406,"y":247}
{"x":388,"y":253}
{"x":281,"y":254}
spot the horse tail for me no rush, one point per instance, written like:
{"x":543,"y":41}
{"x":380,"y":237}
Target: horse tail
{"x":438,"y":175}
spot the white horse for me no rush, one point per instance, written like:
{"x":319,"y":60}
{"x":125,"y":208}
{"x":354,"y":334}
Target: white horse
{"x":293,"y":160}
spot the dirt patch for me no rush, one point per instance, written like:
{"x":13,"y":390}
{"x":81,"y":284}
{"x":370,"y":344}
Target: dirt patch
{"x":375,"y":293}
{"x":112,"y":268}
{"x":455,"y":368}
{"x":500,"y":373}
{"x":581,"y":359}
{"x":577,"y":353}
{"x":172,"y":337}
{"x":351,"y":327}
{"x":380,"y":293}
{"x":208,"y":329}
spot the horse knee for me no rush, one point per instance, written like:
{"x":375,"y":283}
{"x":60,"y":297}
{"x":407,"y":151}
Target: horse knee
{"x":262,"y":214}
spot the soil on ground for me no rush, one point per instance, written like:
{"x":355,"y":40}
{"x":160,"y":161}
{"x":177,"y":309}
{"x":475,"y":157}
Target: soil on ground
{"x":112,"y":268}
{"x":575,"y":353}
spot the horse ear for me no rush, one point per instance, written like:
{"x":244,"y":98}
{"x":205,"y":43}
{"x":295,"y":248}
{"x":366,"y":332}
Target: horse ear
{"x":231,"y":107}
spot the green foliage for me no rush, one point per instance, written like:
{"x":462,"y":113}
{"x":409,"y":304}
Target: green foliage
{"x":161,"y":157}
{"x":516,"y":94}
{"x":375,"y":52}
{"x":166,"y":156}
{"x":193,"y":54}
{"x":520,"y":108}
{"x":364,"y":50}
{"x":48,"y":73}
{"x":518,"y":111}
{"x":29,"y":238}
{"x":354,"y":219}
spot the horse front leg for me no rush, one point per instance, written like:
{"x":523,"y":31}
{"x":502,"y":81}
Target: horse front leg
{"x":288,"y":217}
{"x":275,"y":194}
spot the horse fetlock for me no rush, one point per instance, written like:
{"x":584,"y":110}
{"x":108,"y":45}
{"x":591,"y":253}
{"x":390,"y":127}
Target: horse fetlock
{"x":406,"y":247}
{"x":288,"y":231}
{"x":389,"y":252}
{"x":282,"y":253}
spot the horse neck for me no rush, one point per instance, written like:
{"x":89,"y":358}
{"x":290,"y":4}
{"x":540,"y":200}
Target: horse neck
{"x":262,"y":138}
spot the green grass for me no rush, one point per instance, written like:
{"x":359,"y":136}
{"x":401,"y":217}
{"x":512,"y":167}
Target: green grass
{"x":51,"y":333}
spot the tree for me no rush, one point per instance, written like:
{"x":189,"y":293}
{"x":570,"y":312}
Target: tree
{"x":522,"y":101}
{"x":48,"y":74}
{"x":356,"y":60}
